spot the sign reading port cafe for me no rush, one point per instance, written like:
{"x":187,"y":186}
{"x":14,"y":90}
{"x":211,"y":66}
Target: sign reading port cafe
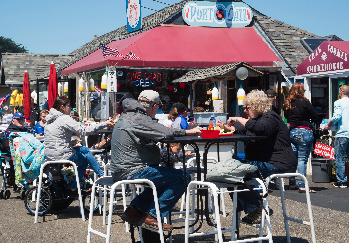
{"x":329,"y":56}
{"x":217,"y":14}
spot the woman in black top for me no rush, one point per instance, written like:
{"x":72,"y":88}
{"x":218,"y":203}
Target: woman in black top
{"x":299,"y":112}
{"x":273,"y":155}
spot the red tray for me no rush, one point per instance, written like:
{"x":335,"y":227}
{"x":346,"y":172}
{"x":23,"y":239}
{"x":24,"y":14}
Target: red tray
{"x":223,"y":135}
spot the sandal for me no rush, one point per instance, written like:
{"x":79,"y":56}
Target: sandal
{"x":303,"y":191}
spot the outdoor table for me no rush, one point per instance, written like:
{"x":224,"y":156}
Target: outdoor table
{"x":193,"y":140}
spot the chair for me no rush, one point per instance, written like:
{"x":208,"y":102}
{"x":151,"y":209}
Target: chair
{"x":108,"y":181}
{"x":279,"y":178}
{"x":218,"y":230}
{"x":40,"y":184}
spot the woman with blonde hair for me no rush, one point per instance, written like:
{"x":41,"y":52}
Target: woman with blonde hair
{"x":271,"y":155}
{"x":299,"y":112}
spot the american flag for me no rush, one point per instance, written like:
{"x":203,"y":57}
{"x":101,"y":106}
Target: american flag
{"x":107,"y":51}
{"x":131,"y":56}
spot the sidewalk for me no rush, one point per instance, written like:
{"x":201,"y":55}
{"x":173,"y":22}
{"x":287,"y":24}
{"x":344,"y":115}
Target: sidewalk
{"x":16,"y":225}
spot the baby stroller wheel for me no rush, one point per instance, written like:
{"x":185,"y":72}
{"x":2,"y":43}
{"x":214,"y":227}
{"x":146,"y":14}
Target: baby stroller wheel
{"x":1,"y":193}
{"x":31,"y":197}
{"x":86,"y":201}
{"x":6,"y":194}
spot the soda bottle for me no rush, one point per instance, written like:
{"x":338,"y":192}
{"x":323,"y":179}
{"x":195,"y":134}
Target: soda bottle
{"x":213,"y":118}
{"x":210,"y":126}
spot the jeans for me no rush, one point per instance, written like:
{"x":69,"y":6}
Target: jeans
{"x":251,"y":201}
{"x":302,"y":144}
{"x":340,"y":148}
{"x":82,"y":158}
{"x":169,"y":183}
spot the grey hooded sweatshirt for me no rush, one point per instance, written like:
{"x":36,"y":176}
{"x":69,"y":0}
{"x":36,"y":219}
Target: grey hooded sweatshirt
{"x":59,"y":129}
{"x":133,"y":144}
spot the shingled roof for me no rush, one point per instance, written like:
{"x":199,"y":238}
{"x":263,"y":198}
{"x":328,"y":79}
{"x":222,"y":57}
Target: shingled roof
{"x":38,"y":65}
{"x":215,"y":73}
{"x":285,"y":38}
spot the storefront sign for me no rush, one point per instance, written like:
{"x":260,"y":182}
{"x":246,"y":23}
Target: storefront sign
{"x":145,"y":78}
{"x":133,"y":13}
{"x":324,"y":150}
{"x":217,"y":14}
{"x":329,"y":56}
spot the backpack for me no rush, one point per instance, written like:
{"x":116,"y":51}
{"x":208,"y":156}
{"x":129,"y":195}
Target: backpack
{"x":231,"y":171}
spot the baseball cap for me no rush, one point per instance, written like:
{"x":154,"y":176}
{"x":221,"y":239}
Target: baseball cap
{"x":270,"y":93}
{"x":149,"y":95}
{"x":95,"y":95}
{"x":181,"y":108}
{"x":17,"y":115}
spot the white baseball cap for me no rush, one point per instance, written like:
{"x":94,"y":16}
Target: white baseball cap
{"x":149,"y":95}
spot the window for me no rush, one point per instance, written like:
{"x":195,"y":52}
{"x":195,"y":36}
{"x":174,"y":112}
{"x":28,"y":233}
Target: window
{"x":311,"y":43}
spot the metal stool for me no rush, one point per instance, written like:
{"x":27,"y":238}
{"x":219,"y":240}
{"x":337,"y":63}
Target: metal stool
{"x":218,"y":230}
{"x":280,"y":180}
{"x":108,"y":181}
{"x":40,"y":184}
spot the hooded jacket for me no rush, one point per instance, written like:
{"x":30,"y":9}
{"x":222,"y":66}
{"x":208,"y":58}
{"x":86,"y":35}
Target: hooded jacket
{"x":133,"y":146}
{"x":59,"y":129}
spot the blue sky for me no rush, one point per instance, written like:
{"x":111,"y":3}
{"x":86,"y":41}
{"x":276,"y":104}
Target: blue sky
{"x":60,"y":27}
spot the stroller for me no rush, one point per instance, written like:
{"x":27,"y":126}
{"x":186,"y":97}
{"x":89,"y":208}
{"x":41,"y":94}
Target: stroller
{"x":8,"y":169}
{"x":54,"y":192}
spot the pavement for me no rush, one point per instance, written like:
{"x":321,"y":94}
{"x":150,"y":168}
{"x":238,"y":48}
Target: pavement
{"x":329,"y":205}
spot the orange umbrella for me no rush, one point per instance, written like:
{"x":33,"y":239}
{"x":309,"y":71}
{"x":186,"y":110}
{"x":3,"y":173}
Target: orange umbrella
{"x":52,"y":85}
{"x":26,"y":96}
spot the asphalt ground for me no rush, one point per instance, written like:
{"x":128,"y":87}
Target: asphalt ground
{"x":331,"y":225}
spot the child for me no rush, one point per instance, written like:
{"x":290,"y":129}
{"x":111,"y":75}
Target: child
{"x":175,"y":153}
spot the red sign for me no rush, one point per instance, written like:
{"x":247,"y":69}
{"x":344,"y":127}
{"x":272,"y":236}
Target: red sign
{"x":328,"y":56}
{"x":324,"y":150}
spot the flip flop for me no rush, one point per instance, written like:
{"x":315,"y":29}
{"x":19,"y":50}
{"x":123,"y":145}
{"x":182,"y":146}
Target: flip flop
{"x":303,"y":191}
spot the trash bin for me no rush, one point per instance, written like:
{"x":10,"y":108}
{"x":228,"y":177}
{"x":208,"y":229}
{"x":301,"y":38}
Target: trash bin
{"x":322,"y":169}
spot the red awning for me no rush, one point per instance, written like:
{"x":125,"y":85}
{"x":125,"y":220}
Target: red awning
{"x":329,"y":56}
{"x":184,"y":46}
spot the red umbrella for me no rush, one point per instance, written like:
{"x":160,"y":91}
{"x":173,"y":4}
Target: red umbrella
{"x":52,"y":85}
{"x":26,"y":96}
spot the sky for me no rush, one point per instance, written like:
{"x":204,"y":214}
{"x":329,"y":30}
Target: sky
{"x":60,"y":27}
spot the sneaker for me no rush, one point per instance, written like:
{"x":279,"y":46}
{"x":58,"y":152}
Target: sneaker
{"x":151,"y":222}
{"x":340,"y":185}
{"x":132,"y":215}
{"x":253,"y":218}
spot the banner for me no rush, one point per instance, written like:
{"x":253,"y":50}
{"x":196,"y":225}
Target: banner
{"x":324,"y":151}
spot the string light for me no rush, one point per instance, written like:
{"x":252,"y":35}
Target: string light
{"x":162,"y":2}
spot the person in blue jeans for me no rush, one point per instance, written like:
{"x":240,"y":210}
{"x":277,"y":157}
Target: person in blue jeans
{"x":59,"y":128}
{"x":299,"y":113}
{"x":135,"y":155}
{"x":341,"y":118}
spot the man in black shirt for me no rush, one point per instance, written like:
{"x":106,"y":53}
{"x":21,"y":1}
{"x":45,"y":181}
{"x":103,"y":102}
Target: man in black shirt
{"x":272,"y":95}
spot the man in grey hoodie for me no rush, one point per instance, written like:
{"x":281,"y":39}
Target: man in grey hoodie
{"x":135,"y":155}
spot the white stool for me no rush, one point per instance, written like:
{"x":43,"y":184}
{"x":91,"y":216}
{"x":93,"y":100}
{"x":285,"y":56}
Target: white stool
{"x":40,"y":184}
{"x":108,"y":181}
{"x":218,"y":230}
{"x":280,"y":180}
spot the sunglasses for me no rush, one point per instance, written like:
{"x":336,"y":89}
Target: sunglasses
{"x":159,"y":104}
{"x":248,"y":107}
